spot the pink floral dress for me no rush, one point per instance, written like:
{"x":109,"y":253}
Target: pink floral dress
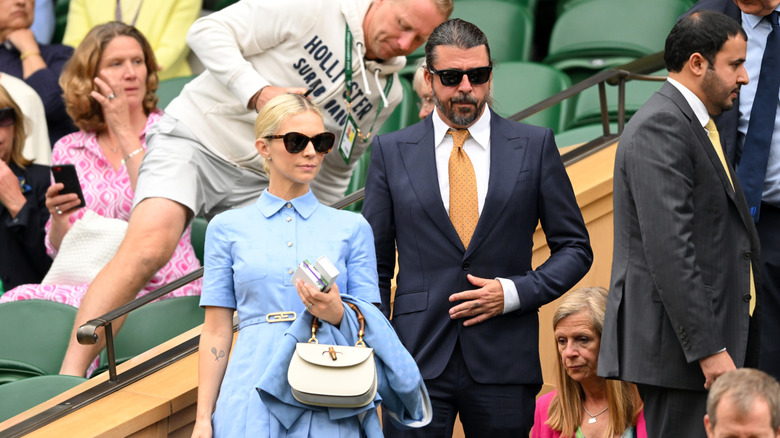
{"x":107,"y":192}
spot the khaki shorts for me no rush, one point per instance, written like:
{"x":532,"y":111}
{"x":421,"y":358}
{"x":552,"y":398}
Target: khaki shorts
{"x":178,"y":167}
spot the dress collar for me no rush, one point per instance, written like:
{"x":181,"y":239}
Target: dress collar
{"x":269,"y":204}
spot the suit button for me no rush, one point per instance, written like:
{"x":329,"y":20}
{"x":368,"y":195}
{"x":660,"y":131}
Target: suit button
{"x":681,"y":330}
{"x":465,"y":266}
{"x":746,"y":298}
{"x":746,"y":255}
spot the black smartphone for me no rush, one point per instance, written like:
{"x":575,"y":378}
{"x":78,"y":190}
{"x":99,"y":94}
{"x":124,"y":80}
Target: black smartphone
{"x":66,"y":174}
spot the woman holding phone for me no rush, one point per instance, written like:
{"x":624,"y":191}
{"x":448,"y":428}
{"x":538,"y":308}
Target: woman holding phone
{"x":109,"y":88}
{"x":23,"y":213}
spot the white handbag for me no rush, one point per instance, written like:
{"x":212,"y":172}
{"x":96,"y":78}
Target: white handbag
{"x":333,"y":375}
{"x":89,"y":244}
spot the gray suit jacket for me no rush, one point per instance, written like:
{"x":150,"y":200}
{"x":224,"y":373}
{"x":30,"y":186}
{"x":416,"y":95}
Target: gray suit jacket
{"x":684,"y":244}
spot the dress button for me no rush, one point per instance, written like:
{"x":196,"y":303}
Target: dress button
{"x":288,"y":205}
{"x":746,"y":255}
{"x":290,"y":271}
{"x":288,"y":219}
{"x":465,"y":266}
{"x":289,"y":244}
{"x":746,"y":298}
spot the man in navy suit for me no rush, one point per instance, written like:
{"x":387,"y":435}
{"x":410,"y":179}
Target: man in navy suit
{"x":467,"y":298}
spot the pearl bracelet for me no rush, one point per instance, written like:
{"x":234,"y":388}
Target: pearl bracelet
{"x":132,"y":154}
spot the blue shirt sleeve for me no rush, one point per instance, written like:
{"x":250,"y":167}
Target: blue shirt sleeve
{"x":361,"y":264}
{"x":218,"y":271}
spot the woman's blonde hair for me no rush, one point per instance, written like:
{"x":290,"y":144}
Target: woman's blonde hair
{"x":276,"y":111}
{"x":20,"y":131}
{"x":565,"y":411}
{"x":78,"y":76}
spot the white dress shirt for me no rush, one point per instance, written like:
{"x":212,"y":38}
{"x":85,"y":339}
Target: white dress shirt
{"x":477,"y":147}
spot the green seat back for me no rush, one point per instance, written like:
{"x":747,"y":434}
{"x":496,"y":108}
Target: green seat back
{"x":17,"y":397}
{"x":198,"y":237}
{"x":582,"y":134}
{"x":518,"y":85}
{"x":405,"y":114}
{"x":596,"y":34}
{"x":587,"y":109}
{"x":169,"y":89}
{"x":153,"y":324}
{"x":36,"y":334}
{"x":60,"y":20}
{"x":509,"y":27}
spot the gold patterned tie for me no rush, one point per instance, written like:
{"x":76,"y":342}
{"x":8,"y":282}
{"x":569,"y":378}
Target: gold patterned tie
{"x":712,"y":130}
{"x":464,"y":204}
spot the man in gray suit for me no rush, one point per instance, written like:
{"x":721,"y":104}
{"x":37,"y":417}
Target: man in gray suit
{"x":686,"y":249}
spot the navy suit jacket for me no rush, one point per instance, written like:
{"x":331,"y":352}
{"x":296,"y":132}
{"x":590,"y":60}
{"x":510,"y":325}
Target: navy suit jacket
{"x":528,"y":183}
{"x":726,"y":121}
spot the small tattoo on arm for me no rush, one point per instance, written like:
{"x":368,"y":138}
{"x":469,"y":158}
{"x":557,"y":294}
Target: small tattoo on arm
{"x":219,"y":355}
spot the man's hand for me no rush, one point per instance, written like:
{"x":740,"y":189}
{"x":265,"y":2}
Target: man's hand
{"x":478,"y":304}
{"x":267,"y":93}
{"x":715,"y":365}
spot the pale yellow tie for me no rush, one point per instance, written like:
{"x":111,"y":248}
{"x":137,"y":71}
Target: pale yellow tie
{"x":712,"y":130}
{"x":464,"y":203}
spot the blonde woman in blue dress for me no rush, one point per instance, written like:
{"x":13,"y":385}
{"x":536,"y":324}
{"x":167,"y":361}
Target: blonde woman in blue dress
{"x":251,"y":254}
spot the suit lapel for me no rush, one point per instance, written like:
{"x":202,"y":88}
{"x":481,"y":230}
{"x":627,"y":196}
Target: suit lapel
{"x":674,"y":94}
{"x":420,"y":162}
{"x":734,"y":193}
{"x":507,"y":152}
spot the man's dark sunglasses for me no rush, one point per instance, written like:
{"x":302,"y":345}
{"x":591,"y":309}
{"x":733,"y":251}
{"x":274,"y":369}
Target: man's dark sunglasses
{"x":7,"y":116}
{"x":296,"y":142}
{"x":451,"y":78}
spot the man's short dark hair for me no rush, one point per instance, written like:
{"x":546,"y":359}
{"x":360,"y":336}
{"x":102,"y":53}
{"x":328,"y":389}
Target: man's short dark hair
{"x":457,"y":33}
{"x":702,"y":32}
{"x":743,"y":387}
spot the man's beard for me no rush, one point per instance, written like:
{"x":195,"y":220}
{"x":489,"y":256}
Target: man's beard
{"x":460,"y":119}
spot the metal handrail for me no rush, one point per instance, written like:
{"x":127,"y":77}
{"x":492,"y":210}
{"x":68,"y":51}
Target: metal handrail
{"x":87,"y":333}
{"x":635,"y":70}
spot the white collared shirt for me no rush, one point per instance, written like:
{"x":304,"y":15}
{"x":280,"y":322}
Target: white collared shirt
{"x":693,"y":101}
{"x":477,"y":147}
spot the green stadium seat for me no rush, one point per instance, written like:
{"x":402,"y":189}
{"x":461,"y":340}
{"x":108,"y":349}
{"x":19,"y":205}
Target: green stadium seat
{"x":582,"y":134}
{"x":35,"y":337}
{"x":60,"y":20}
{"x":509,"y":26}
{"x":17,"y":397}
{"x":153,"y":324}
{"x":198,"y":237}
{"x":405,"y":114}
{"x":597,"y":34}
{"x":168,"y":89}
{"x":587,"y":109}
{"x":518,"y":85}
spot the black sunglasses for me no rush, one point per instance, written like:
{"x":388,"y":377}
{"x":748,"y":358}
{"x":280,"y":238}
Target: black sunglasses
{"x":296,"y":142}
{"x":7,"y":116}
{"x":451,"y":78}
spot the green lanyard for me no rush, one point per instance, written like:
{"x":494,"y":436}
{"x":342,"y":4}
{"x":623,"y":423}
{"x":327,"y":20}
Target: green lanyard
{"x":348,"y":83}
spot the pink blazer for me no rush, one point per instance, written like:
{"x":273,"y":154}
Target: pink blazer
{"x":541,"y":430}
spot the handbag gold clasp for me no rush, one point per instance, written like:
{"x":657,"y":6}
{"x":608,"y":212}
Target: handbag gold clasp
{"x":281,"y":316}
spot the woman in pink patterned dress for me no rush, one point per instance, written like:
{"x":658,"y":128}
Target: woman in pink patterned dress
{"x":109,"y":88}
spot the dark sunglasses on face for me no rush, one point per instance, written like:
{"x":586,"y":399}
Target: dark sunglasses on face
{"x":7,"y":116}
{"x":451,"y":78}
{"x":296,"y":142}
